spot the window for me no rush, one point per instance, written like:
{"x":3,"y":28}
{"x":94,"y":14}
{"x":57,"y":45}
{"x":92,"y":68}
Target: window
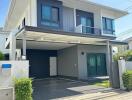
{"x":50,"y":16}
{"x":86,"y":22}
{"x":108,"y":25}
{"x":46,"y":12}
{"x":55,"y":14}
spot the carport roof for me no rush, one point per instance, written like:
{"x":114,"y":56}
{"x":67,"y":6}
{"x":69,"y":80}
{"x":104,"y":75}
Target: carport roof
{"x":47,"y":38}
{"x":59,"y":36}
{"x":61,"y":32}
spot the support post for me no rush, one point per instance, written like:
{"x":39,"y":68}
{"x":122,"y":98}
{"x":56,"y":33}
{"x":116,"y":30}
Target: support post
{"x":122,"y":69}
{"x":12,"y":47}
{"x":109,"y":65}
{"x":24,"y":47}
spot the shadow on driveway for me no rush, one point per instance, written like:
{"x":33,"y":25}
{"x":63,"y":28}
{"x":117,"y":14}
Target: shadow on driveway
{"x":54,"y":88}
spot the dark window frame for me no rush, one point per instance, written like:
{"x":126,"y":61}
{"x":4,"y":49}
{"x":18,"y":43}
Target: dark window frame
{"x":23,"y":22}
{"x":50,"y":21}
{"x":87,"y":15}
{"x":112,"y":30}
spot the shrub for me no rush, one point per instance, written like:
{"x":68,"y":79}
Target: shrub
{"x":23,"y":89}
{"x":127,"y":56}
{"x":1,"y":56}
{"x":127,"y":80}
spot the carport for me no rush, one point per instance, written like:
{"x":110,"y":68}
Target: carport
{"x":42,"y":57}
{"x":33,"y":39}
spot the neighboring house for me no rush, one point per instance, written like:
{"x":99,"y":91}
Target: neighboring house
{"x":125,"y":37}
{"x":3,"y":37}
{"x":70,"y":38}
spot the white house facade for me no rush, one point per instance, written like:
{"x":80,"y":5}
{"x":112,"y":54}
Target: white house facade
{"x":71,"y":38}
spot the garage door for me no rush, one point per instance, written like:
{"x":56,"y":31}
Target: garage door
{"x":39,"y":63}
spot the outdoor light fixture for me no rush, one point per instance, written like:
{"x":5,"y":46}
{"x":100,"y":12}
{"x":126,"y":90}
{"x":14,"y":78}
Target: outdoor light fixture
{"x":82,"y":53}
{"x":121,"y":58}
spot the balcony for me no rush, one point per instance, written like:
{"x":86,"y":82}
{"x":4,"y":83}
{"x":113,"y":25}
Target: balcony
{"x":87,"y":30}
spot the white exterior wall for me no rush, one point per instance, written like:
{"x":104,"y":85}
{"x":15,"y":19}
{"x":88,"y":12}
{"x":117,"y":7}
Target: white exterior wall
{"x":33,"y":11}
{"x":30,"y":15}
{"x":130,"y":45}
{"x":2,"y":43}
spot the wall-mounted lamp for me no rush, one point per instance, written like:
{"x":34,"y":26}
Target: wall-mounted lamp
{"x":82,"y":53}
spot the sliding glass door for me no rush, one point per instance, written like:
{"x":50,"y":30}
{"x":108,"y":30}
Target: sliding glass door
{"x":96,"y":65}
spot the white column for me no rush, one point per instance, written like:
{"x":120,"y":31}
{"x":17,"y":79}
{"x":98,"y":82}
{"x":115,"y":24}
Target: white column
{"x":12,"y":47}
{"x":122,"y":69}
{"x":24,"y":46}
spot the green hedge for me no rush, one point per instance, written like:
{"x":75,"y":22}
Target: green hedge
{"x":127,"y":80}
{"x":1,"y":56}
{"x":23,"y":89}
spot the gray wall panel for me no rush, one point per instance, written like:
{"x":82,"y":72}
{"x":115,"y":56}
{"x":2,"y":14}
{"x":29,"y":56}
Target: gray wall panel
{"x":68,"y":19}
{"x":67,"y":62}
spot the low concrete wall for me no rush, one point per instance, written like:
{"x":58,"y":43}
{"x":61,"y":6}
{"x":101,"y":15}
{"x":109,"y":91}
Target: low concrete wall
{"x":123,"y":66}
{"x":18,"y":69}
{"x":128,"y":65}
{"x":6,"y":94}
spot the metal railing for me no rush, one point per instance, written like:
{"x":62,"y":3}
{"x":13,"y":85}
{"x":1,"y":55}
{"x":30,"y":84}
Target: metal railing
{"x":87,"y":30}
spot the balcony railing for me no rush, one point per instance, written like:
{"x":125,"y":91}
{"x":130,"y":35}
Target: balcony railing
{"x":87,"y":30}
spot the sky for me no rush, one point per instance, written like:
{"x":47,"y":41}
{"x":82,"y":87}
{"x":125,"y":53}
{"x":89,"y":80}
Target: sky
{"x":121,"y":24}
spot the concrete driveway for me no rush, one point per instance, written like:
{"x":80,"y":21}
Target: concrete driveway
{"x":58,"y":88}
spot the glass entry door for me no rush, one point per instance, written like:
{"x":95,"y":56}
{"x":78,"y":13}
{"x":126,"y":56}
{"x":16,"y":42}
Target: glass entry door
{"x":86,"y":22}
{"x":96,"y":65}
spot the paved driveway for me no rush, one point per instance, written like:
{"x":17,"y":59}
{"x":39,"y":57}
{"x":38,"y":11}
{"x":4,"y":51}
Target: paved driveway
{"x":57,"y":88}
{"x":62,"y":89}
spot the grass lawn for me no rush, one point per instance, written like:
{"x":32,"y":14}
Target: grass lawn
{"x":105,"y":83}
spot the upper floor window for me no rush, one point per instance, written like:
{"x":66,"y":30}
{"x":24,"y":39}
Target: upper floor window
{"x":50,"y":16}
{"x":108,"y":25}
{"x":86,"y":22}
{"x":86,"y":19}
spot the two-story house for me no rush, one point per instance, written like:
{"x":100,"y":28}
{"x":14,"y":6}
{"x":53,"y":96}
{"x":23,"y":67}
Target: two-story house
{"x":62,"y":37}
